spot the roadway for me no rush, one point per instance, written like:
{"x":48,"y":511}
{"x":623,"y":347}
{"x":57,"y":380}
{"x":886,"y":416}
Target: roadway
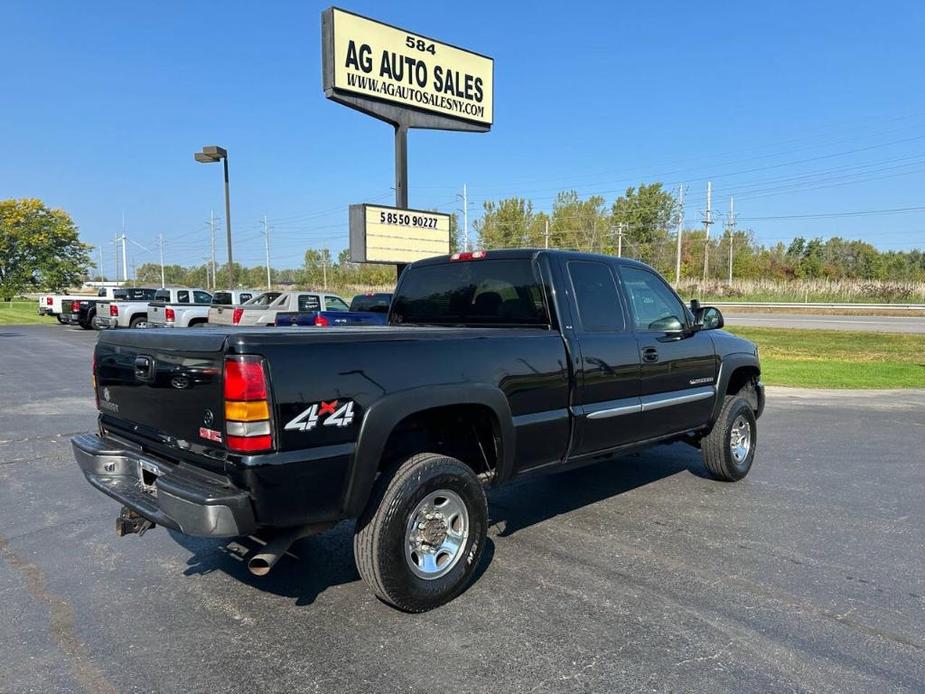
{"x":635,"y":574}
{"x":882,"y":324}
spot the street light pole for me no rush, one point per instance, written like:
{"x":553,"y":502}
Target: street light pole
{"x":209,"y":155}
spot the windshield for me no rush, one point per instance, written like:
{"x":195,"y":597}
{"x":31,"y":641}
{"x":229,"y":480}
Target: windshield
{"x":479,"y":292}
{"x":264,"y":299}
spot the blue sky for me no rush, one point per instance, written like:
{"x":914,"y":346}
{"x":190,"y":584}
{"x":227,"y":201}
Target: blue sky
{"x":798,"y":109}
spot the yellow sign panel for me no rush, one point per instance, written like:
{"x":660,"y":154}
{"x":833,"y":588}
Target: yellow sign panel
{"x":376,"y":60}
{"x":393,"y":235}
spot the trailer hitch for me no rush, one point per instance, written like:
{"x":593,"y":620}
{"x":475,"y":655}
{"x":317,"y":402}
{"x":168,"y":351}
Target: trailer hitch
{"x":129,"y":523}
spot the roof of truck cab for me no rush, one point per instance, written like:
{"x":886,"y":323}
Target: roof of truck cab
{"x":526,"y":253}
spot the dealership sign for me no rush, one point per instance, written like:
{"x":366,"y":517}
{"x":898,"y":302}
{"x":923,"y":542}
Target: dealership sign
{"x":395,"y":74}
{"x":396,"y":236}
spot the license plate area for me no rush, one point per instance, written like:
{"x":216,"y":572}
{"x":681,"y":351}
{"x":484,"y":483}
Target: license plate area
{"x":148,"y":472}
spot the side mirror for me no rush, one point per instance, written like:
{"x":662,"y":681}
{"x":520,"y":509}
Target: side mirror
{"x":708,"y":318}
{"x":668,"y":324}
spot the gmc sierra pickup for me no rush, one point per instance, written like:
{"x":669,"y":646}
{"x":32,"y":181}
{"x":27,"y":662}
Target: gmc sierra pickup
{"x":493,"y":366}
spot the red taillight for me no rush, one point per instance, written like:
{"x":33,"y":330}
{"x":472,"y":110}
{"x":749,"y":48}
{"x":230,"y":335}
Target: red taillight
{"x":469,"y":255}
{"x":236,"y":316}
{"x":169,"y":314}
{"x":48,"y":301}
{"x":249,"y":444}
{"x":244,"y":379}
{"x":321,"y":321}
{"x":113,"y":310}
{"x":248,"y":428}
{"x":96,"y":393}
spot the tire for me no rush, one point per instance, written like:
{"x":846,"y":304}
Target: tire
{"x":138,"y":322}
{"x":724,"y":460}
{"x":382,"y":543}
{"x":61,"y":319}
{"x":86,"y":325}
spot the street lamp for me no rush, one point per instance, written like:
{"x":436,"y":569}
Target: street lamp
{"x":212,"y":154}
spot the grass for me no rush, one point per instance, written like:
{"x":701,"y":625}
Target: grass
{"x":797,"y":291}
{"x":837,"y":359}
{"x":23,"y":313}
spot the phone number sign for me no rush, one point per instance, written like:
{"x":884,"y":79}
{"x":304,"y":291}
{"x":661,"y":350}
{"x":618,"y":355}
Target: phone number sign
{"x":395,"y":236}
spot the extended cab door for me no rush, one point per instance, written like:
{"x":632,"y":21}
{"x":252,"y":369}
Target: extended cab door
{"x":678,"y":366}
{"x":605,"y":358}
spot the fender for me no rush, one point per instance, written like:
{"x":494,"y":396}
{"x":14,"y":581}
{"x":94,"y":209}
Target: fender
{"x":727,"y":367}
{"x":385,"y":414}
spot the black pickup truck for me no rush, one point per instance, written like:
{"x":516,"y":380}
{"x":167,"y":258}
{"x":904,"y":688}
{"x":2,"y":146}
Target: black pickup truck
{"x":493,"y":366}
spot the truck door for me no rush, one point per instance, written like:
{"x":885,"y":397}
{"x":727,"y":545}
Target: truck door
{"x":605,"y":357}
{"x":678,"y":367}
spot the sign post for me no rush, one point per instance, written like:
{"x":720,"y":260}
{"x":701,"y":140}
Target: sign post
{"x":407,"y":80}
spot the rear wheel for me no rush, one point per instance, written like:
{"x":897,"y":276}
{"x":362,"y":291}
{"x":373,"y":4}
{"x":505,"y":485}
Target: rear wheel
{"x":61,"y":319}
{"x":420,"y":538}
{"x":729,"y":449}
{"x":139,"y":322}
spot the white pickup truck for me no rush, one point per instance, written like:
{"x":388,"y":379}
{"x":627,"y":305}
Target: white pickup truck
{"x":131,"y":312}
{"x":262,"y":310}
{"x":179,"y":308}
{"x":50,"y":304}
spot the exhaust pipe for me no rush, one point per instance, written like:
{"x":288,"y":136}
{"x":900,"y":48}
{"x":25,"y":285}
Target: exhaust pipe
{"x":260,"y":563}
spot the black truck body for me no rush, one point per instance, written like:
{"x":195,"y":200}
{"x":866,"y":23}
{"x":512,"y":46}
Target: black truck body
{"x":545,"y":360}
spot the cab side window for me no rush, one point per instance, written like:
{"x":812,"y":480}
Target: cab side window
{"x":309,"y":302}
{"x":651,"y":301}
{"x":595,"y":288}
{"x":183,"y":297}
{"x":334,"y":303}
{"x":202,"y":297}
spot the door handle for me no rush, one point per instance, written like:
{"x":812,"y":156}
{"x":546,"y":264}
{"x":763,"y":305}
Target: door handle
{"x":650,"y":354}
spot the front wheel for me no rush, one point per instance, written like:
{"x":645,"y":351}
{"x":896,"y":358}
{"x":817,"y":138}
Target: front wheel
{"x":729,"y":449}
{"x":419,"y":540}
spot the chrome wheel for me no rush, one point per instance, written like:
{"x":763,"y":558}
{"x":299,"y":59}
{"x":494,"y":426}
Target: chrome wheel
{"x":740,"y":439}
{"x":436,"y":534}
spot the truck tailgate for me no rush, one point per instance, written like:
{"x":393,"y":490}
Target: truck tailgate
{"x":221,"y":315}
{"x":164,"y":387}
{"x":156,"y":314}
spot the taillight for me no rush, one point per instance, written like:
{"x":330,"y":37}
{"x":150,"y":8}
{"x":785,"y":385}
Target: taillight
{"x":236,"y":316}
{"x":113,"y":310}
{"x":248,"y":428}
{"x":96,"y":393}
{"x":169,"y":314}
{"x":469,"y":255}
{"x":321,"y":321}
{"x":48,"y":301}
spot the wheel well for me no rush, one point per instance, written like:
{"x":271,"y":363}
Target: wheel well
{"x":138,"y":315}
{"x":469,"y":433}
{"x":744,"y":378}
{"x":197,"y":321}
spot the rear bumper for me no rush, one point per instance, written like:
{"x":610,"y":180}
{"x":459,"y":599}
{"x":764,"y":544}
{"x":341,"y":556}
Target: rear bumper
{"x":106,"y":322}
{"x":186,"y":500}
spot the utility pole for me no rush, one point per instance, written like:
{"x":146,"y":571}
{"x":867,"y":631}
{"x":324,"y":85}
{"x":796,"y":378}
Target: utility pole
{"x":466,"y":214}
{"x":707,"y":221}
{"x":115,"y":255}
{"x":677,"y":260}
{"x":266,"y":239}
{"x":324,"y":267}
{"x":212,"y":232}
{"x":124,"y":263}
{"x":620,"y":227}
{"x":730,"y":228}
{"x":160,"y":243}
{"x":100,"y":249}
{"x":546,"y":233}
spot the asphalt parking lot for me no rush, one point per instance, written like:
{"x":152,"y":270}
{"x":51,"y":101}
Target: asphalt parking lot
{"x":638,"y":574}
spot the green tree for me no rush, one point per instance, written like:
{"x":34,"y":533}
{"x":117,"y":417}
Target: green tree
{"x":644,"y":216}
{"x":581,"y":224}
{"x":39,"y":248}
{"x":509,"y":223}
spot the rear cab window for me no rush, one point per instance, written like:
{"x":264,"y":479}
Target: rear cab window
{"x":309,"y":302}
{"x":502,"y":292}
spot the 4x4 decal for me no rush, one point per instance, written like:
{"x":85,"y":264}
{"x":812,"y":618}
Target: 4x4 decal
{"x":328,"y":414}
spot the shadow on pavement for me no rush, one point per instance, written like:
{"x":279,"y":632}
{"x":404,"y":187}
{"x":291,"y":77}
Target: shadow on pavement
{"x":322,"y":561}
